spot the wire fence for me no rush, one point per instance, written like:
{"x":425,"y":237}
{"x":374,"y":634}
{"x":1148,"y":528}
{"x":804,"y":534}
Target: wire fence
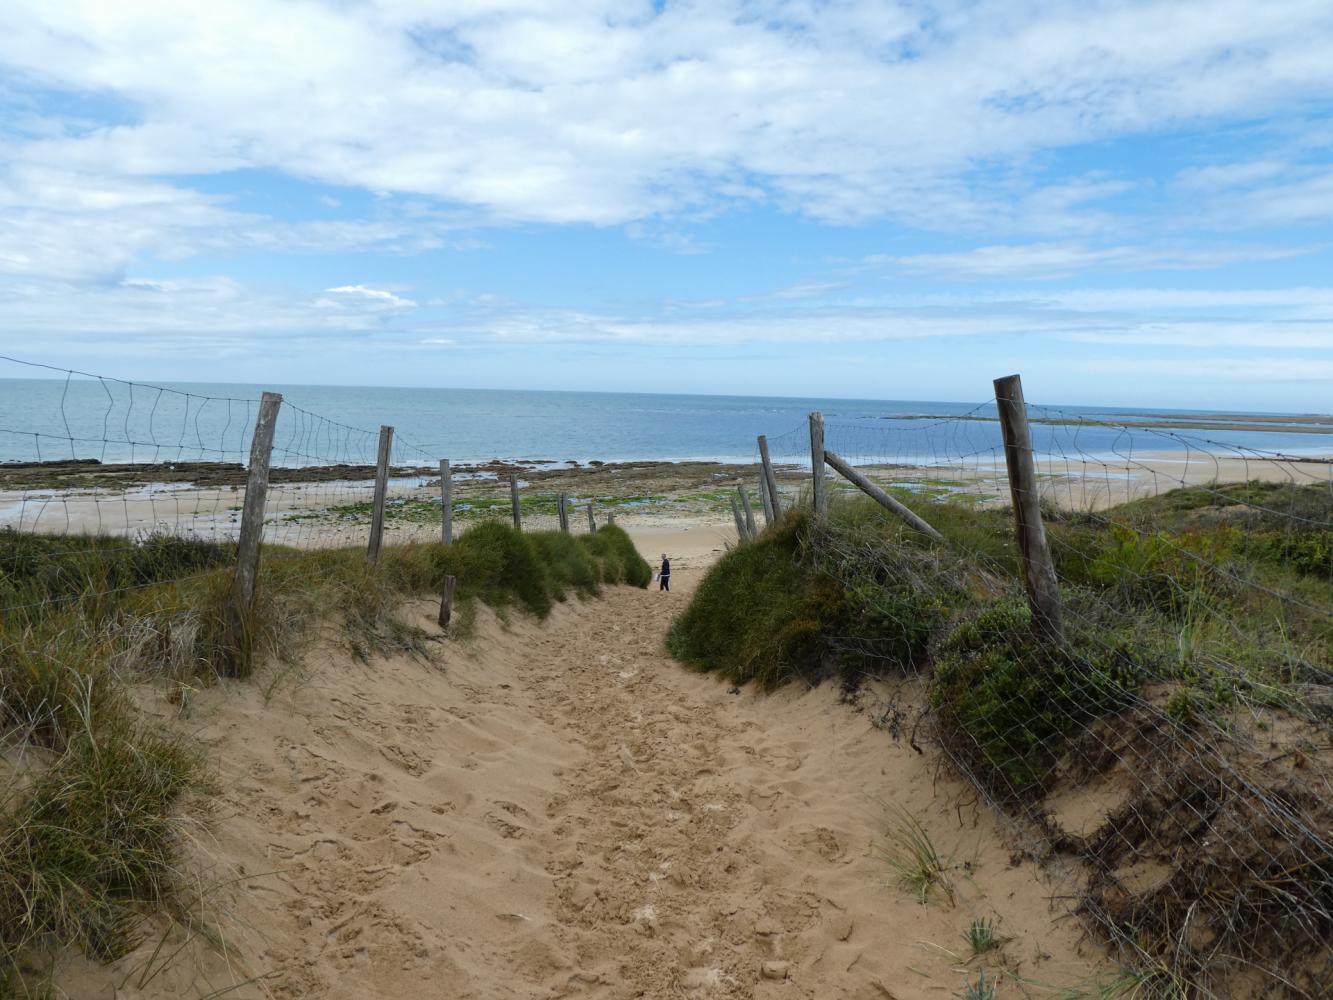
{"x":1169,"y":759}
{"x":97,"y":464}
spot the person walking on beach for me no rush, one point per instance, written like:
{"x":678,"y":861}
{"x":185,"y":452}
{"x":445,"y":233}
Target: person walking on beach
{"x":664,"y":574}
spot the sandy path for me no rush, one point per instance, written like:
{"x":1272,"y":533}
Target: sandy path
{"x":558,"y":810}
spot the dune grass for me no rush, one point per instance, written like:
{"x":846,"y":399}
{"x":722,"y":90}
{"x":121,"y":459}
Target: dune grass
{"x":87,"y":841}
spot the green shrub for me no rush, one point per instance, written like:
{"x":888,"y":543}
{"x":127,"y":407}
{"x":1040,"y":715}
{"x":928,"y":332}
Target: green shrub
{"x":1005,"y":704}
{"x":762,"y":613}
{"x":619,"y":559}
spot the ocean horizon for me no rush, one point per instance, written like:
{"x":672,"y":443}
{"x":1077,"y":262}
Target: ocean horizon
{"x":87,"y":418}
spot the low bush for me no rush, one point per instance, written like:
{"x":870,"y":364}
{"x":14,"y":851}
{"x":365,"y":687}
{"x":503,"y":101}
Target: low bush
{"x":1005,"y":704}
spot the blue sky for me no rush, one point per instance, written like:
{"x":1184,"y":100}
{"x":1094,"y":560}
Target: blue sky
{"x":1129,"y":202}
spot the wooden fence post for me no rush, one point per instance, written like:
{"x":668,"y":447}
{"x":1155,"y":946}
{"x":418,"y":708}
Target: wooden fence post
{"x":592,"y":520}
{"x":1038,"y":570}
{"x":513,"y":503}
{"x":879,"y":496}
{"x":741,"y":535}
{"x":774,"y":501}
{"x":750,"y":528}
{"x":611,"y":518}
{"x":446,"y":503}
{"x":252,"y":527}
{"x":563,"y":510}
{"x":447,"y":601}
{"x":820,"y":498}
{"x":764,"y":500}
{"x":381,"y":493}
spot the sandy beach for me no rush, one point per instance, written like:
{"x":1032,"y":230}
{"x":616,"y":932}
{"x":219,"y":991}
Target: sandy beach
{"x":644,"y":497}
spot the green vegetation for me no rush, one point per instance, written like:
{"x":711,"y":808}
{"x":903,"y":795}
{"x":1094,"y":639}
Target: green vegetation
{"x":87,"y":838}
{"x":980,"y":936}
{"x":907,"y":849}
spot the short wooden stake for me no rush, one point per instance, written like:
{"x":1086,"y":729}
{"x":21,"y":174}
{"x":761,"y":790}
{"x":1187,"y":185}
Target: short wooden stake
{"x":1039,"y":577}
{"x":446,"y":503}
{"x":592,"y":521}
{"x":381,"y":493}
{"x":513,"y":503}
{"x":773,"y":499}
{"x":879,"y":496}
{"x":252,"y":528}
{"x":611,"y":518}
{"x":818,"y":493}
{"x":750,"y":528}
{"x":447,"y":601}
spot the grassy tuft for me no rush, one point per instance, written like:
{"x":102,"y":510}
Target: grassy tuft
{"x":908,"y":850}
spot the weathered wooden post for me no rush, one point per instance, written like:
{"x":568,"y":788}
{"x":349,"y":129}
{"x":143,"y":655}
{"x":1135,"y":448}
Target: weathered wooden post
{"x":447,"y":601}
{"x":446,"y":503}
{"x":252,"y":527}
{"x":513,"y":503}
{"x":611,"y":518}
{"x":592,"y":520}
{"x":879,"y":496}
{"x":1039,"y":578}
{"x":764,"y":500}
{"x":563,"y":511}
{"x":820,"y":497}
{"x":770,"y":479}
{"x":750,"y":528}
{"x":381,"y":493}
{"x":741,"y":535}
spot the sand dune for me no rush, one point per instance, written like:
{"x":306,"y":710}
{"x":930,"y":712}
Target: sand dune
{"x":558,"y":810}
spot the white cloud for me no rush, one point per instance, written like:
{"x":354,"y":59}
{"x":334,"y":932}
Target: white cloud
{"x":602,"y":112}
{"x":379,"y":296}
{"x":1043,"y":261}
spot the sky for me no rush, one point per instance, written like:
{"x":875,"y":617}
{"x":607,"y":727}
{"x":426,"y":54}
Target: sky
{"x":1129,"y":202}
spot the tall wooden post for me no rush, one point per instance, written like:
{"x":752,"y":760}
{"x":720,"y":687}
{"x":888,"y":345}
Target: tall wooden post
{"x":381,"y":493}
{"x":592,"y":520}
{"x":764,"y":500}
{"x":741,"y":534}
{"x":750,"y":527}
{"x":1039,"y":578}
{"x":563,"y":510}
{"x":611,"y":518}
{"x":252,"y":527}
{"x":513,"y":503}
{"x":770,"y":479}
{"x":447,"y":601}
{"x":446,"y":503}
{"x":817,"y":462}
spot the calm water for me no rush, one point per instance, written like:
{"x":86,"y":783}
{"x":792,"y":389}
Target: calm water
{"x":111,"y":421}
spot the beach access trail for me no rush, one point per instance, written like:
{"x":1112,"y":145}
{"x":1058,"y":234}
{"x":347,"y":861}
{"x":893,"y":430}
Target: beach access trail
{"x":558,"y":809}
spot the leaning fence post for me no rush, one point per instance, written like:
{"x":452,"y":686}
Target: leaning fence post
{"x":741,"y":536}
{"x":381,"y":492}
{"x":513,"y":503}
{"x":750,"y":528}
{"x":1039,"y":578}
{"x":817,"y":462}
{"x":446,"y":503}
{"x":252,"y":527}
{"x":770,"y":479}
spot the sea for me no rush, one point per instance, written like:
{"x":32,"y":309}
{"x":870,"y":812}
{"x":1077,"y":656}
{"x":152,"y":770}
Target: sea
{"x":48,"y":419}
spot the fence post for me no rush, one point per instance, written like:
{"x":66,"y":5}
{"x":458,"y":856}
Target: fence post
{"x":741,"y":535}
{"x":750,"y":527}
{"x":562,"y":513}
{"x":447,"y":601}
{"x":764,"y":500}
{"x":446,"y":502}
{"x":381,"y":492}
{"x":252,"y":527}
{"x":513,"y":503}
{"x":817,"y":462}
{"x":1038,"y":570}
{"x":611,"y":518}
{"x":840,"y":464}
{"x":592,"y":520}
{"x":770,"y":479}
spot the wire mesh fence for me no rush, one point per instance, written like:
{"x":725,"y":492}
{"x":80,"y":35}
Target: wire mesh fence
{"x":1169,"y":758}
